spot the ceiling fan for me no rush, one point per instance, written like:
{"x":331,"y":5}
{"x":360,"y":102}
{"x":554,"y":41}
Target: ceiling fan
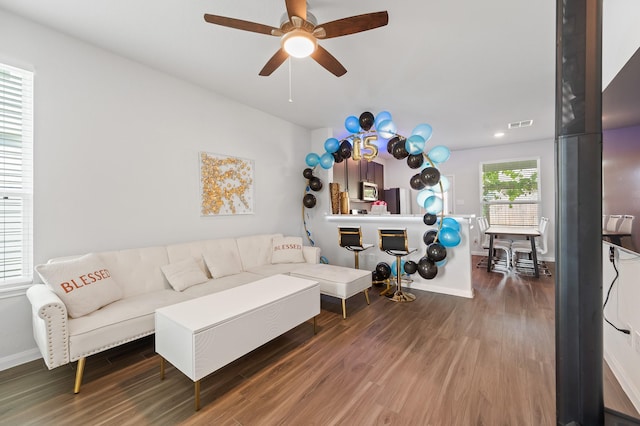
{"x":299,"y":34}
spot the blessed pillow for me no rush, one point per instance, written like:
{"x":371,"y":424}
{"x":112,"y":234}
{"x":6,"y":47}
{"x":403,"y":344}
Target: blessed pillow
{"x":287,"y":250}
{"x":84,"y":284}
{"x":184,"y":274}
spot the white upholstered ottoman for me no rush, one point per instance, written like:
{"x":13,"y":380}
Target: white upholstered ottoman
{"x":337,"y":281}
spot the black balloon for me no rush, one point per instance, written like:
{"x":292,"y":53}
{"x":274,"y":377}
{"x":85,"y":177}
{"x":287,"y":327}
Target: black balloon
{"x":429,"y":236}
{"x":375,"y":276}
{"x":337,"y":157}
{"x":309,"y":201}
{"x":430,"y":176}
{"x":307,"y":173}
{"x":410,"y":267}
{"x":400,"y":151}
{"x":416,"y":182}
{"x":436,"y":252}
{"x":427,"y":268}
{"x":384,"y":270}
{"x":415,"y":161}
{"x":392,"y":142}
{"x":345,"y":149}
{"x":366,"y":120}
{"x":429,"y":219}
{"x":315,"y":184}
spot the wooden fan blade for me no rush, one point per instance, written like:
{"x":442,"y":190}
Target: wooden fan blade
{"x":239,"y":24}
{"x":327,"y":60}
{"x":273,"y":63}
{"x":354,"y":24}
{"x":297,"y":8}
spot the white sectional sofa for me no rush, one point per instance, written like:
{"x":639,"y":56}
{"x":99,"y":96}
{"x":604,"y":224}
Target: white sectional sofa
{"x":68,"y":329}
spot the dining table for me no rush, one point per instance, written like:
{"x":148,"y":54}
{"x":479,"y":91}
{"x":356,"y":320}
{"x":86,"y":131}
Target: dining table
{"x":530,"y":232}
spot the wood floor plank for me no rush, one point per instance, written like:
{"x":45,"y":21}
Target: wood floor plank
{"x":441,"y":360}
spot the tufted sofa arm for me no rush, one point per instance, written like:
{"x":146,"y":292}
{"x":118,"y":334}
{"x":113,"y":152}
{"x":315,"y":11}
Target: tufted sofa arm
{"x":50,"y":328}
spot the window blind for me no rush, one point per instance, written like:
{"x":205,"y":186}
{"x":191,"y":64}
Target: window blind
{"x":511,"y":192}
{"x":16,"y":175}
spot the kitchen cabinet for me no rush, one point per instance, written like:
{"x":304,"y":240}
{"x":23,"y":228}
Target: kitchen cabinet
{"x":350,"y":173}
{"x":353,"y":178}
{"x":378,"y":179}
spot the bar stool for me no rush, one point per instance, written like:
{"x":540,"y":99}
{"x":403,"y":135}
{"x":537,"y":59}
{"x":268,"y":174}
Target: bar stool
{"x":394,"y":242}
{"x":351,"y":239}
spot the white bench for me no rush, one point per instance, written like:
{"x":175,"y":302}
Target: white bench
{"x":337,"y":281}
{"x":201,"y":335}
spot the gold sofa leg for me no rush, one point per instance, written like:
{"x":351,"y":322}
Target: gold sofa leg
{"x":366,"y":295}
{"x":79,"y":371}
{"x":344,"y":309}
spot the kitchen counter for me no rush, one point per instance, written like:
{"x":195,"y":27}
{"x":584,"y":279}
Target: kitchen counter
{"x":454,"y":278}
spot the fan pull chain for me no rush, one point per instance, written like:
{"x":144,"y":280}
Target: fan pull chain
{"x":290,"y":95}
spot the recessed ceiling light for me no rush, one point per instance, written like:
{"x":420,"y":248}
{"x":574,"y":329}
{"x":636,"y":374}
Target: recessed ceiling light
{"x":498,"y":134}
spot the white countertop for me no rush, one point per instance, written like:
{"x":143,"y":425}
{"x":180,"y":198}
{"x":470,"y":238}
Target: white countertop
{"x":404,"y":218}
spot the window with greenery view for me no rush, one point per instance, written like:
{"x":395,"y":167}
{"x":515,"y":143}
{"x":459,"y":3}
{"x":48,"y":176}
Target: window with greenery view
{"x":16,"y":175}
{"x":511,"y":192}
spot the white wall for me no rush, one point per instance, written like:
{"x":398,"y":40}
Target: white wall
{"x":116,"y":162}
{"x":464,"y":165}
{"x":620,"y":36}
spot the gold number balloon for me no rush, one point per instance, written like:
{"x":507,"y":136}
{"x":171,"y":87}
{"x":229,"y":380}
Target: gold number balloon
{"x":368,"y":144}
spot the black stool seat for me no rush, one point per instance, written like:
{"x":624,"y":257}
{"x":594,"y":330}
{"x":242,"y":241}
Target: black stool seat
{"x":351,"y":239}
{"x":394,"y":242}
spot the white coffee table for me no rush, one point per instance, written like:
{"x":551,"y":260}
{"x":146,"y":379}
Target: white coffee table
{"x":200,"y":336}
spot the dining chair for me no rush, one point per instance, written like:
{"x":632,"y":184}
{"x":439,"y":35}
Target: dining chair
{"x":524,"y":247}
{"x":626,"y":224}
{"x":612,"y":223}
{"x":502,"y":245}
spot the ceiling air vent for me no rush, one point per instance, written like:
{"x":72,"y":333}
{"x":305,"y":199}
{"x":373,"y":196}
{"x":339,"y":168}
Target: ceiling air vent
{"x":519,"y":124}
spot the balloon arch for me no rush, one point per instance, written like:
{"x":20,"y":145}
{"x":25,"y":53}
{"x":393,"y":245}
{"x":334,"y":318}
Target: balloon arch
{"x":429,"y":182}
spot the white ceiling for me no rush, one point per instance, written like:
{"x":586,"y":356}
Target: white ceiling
{"x":465,"y":67}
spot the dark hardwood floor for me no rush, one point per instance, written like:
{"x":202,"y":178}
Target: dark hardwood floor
{"x":441,"y":360}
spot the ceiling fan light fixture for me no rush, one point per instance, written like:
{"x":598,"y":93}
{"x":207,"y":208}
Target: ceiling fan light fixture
{"x":299,"y":43}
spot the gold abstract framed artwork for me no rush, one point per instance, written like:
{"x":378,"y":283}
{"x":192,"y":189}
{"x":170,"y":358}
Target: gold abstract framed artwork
{"x":226,"y":185}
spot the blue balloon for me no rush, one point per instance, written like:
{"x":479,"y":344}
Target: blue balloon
{"x":449,"y":222}
{"x":352,"y":124}
{"x":439,"y":154}
{"x":382,"y":116}
{"x":326,"y":161}
{"x":423,"y":195}
{"x":441,"y":263}
{"x":394,"y":268}
{"x":449,"y":237}
{"x":433,"y":204}
{"x":331,"y":145}
{"x":445,"y":185}
{"x":423,"y":130}
{"x":312,"y":159}
{"x":387,"y":129}
{"x":414,"y":144}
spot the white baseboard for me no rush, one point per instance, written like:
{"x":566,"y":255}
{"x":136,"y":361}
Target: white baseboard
{"x":438,"y":289}
{"x":19,"y":358}
{"x":628,"y":387}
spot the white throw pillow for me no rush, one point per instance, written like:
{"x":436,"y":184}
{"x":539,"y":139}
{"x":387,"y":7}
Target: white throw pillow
{"x":221,"y":263}
{"x":84,"y":284}
{"x":184,"y":274}
{"x":287,"y":250}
